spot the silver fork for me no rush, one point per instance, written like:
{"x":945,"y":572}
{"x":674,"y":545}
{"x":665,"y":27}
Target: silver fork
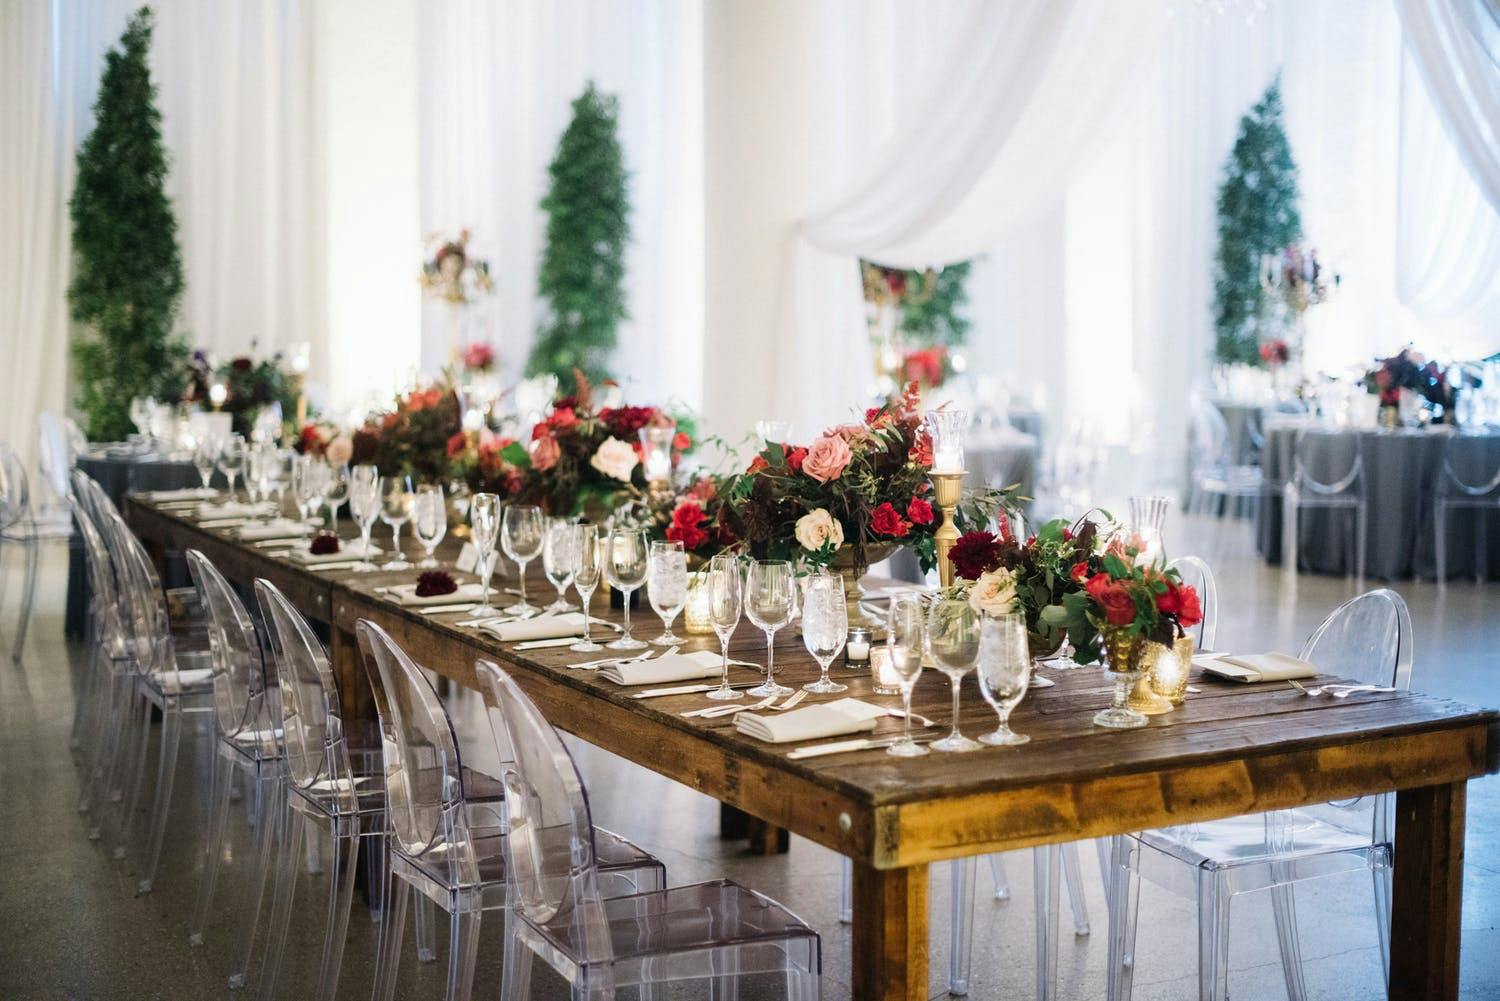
{"x":713,"y":712}
{"x":1339,"y":691}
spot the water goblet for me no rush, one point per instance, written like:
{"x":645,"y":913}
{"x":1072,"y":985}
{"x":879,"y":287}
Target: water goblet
{"x":429,"y":520}
{"x":725,"y":593}
{"x":206,"y":457}
{"x":825,"y":627}
{"x":1003,"y":672}
{"x":625,"y":560}
{"x":395,"y":511}
{"x":232,"y":459}
{"x":666,"y":586}
{"x":770,"y":597}
{"x":364,"y":504}
{"x":953,"y":639}
{"x":484,"y":532}
{"x":586,"y":579}
{"x":335,"y":490}
{"x":905,"y":642}
{"x":522,"y":536}
{"x":560,"y":560}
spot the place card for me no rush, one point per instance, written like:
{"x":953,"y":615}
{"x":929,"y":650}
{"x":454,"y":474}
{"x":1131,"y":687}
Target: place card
{"x":468,"y":559}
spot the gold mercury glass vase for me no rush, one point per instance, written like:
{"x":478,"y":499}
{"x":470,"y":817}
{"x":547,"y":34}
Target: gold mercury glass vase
{"x":1122,"y":662}
{"x":1157,"y":661}
{"x":1169,"y":674}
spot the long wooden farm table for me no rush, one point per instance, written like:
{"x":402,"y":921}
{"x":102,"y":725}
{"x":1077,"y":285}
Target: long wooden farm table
{"x":1230,"y":750}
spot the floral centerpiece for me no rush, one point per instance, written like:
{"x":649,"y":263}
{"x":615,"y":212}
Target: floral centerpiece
{"x":412,"y":439}
{"x":241,"y":386}
{"x":1409,"y":370}
{"x":325,"y":440}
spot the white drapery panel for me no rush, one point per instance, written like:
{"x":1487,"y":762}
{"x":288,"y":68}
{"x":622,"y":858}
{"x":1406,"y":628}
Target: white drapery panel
{"x":498,"y":80}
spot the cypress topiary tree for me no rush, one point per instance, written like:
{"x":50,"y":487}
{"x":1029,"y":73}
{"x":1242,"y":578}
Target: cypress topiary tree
{"x":583,"y":266}
{"x":127,"y":268}
{"x":1257,"y":215}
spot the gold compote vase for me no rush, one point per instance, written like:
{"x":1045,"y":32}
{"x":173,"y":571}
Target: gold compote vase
{"x":1122,"y":662}
{"x":851,"y":563}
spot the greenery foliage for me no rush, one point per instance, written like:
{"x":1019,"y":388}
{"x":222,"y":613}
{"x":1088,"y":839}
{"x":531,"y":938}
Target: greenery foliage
{"x":128,"y":270}
{"x":1258,"y":215}
{"x":938,"y":318}
{"x":582,"y":273}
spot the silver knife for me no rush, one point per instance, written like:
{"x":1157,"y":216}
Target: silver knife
{"x":846,"y":746}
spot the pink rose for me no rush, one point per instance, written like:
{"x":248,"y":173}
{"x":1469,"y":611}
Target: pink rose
{"x":826,"y":458}
{"x":339,"y":451}
{"x":544,"y":453}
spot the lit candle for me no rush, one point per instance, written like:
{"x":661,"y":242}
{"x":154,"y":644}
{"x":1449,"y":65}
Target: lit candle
{"x":217,"y":394}
{"x":697,"y":614}
{"x":887,"y":681}
{"x":947,"y":430}
{"x":857,"y":649}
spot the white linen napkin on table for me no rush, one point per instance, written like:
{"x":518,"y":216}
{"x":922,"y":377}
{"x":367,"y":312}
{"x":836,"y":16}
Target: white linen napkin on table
{"x":1253,"y":667}
{"x":233,"y":509}
{"x":277,"y":528}
{"x":543,"y":627}
{"x":661,"y":670}
{"x":406,"y":594}
{"x":830,"y":719}
{"x":185,"y":493}
{"x":300,"y":554}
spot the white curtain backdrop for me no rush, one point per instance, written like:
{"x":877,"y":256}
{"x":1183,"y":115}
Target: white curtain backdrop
{"x":497,"y":82}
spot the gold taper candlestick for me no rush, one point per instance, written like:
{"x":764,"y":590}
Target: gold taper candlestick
{"x":947,"y":489}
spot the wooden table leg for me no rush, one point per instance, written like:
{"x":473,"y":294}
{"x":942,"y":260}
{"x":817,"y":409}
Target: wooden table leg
{"x":890,"y":933}
{"x":1428,"y":891}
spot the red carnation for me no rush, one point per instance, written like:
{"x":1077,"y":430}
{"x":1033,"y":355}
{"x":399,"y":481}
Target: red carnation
{"x":974,"y":553}
{"x":685,"y":529}
{"x":794,"y":458}
{"x":919,"y":511}
{"x":1114,"y":598}
{"x":886,"y":520}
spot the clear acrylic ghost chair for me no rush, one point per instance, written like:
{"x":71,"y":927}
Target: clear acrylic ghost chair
{"x":1215,"y":479}
{"x":1345,"y":493}
{"x":446,"y":824}
{"x":1368,"y":639}
{"x":107,"y":672}
{"x":55,"y":458}
{"x":247,"y":751}
{"x":18,"y":527}
{"x":1454,"y":492}
{"x":716,"y":931}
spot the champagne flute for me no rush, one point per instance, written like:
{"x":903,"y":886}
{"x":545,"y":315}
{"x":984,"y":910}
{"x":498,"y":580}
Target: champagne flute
{"x":429,"y":520}
{"x":770,"y":597}
{"x":484,"y":530}
{"x":253,"y":461}
{"x":335,"y":490}
{"x":725,"y":590}
{"x":586,"y":579}
{"x":953,"y":639}
{"x":364,"y":504}
{"x":560,"y":560}
{"x":1004,"y":672}
{"x":205,"y":457}
{"x":906,"y":620}
{"x":666,"y":586}
{"x":825,"y":627}
{"x":522,"y":536}
{"x":395,"y":511}
{"x":625,"y":559}
{"x":232,"y":459}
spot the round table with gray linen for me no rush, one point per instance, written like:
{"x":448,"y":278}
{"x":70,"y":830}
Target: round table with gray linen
{"x":1403,"y":470}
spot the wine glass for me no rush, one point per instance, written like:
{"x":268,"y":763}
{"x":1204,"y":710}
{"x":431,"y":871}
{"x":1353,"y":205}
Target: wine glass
{"x":395,"y":511}
{"x":232,"y":459}
{"x":484,"y":530}
{"x":253,"y":460}
{"x":725,"y":590}
{"x":560,"y":560}
{"x":625,"y":559}
{"x":335,"y":490}
{"x":205,"y":457}
{"x":770,"y":597}
{"x":1004,"y":672}
{"x":140,"y":412}
{"x":586,"y":579}
{"x":364,"y":503}
{"x":429,"y":520}
{"x":522,"y":535}
{"x":906,"y":621}
{"x":666,"y":586}
{"x":953,"y":639}
{"x":825,"y":626}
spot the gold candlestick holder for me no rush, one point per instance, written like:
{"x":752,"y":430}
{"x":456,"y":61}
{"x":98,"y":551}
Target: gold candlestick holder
{"x":947,"y":489}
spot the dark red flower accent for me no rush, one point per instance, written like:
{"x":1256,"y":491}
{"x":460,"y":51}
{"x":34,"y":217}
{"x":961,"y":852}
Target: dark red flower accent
{"x":919,"y":511}
{"x":794,"y":458}
{"x":323,"y":544}
{"x":626,"y":422}
{"x":685,"y":527}
{"x":435,"y":582}
{"x":457,"y":444}
{"x":886,"y":520}
{"x":1180,"y":600}
{"x":975,"y":553}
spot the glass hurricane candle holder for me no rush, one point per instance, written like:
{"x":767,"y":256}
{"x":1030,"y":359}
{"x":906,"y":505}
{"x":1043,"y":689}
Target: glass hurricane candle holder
{"x":656,"y":453}
{"x":697,"y":613}
{"x":887,"y":681}
{"x":857,"y":649}
{"x":947,"y":430}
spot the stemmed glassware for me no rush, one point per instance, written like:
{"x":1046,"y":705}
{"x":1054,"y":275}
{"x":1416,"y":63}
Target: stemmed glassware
{"x":559,"y":560}
{"x":906,"y":625}
{"x":1004,"y":672}
{"x":953,"y":639}
{"x":364,"y":504}
{"x":334,"y":490}
{"x":522,"y":535}
{"x":395,"y":511}
{"x":825,"y":626}
{"x":725,"y":591}
{"x":770,"y":599}
{"x":205,"y":457}
{"x":429,"y":520}
{"x":484,"y":530}
{"x":140,"y":412}
{"x":586,"y":579}
{"x":232,"y":459}
{"x":307,"y":484}
{"x":666,"y":586}
{"x":625,"y":560}
{"x":254,"y":459}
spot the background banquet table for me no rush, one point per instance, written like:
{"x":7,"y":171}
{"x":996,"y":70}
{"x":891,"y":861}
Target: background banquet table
{"x":1244,"y":419}
{"x":1402,"y":469}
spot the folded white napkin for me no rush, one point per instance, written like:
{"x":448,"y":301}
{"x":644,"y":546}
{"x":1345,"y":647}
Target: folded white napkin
{"x":830,"y":719}
{"x":661,"y":670}
{"x":406,"y":594}
{"x":235,"y":509}
{"x":1252,"y":667}
{"x":299,"y":554}
{"x":186,"y":493}
{"x":543,"y":627}
{"x":277,"y":528}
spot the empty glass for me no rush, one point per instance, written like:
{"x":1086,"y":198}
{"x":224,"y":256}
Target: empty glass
{"x":334,"y":490}
{"x":1004,"y":672}
{"x":773,"y":431}
{"x":906,"y":630}
{"x":307,"y":484}
{"x":232,"y":458}
{"x":395,"y":511}
{"x":205,"y":457}
{"x":560,"y":559}
{"x":586,"y":579}
{"x":666,"y":586}
{"x":825,"y":626}
{"x":429,"y":520}
{"x":725,"y":590}
{"x":770,"y":598}
{"x":625,"y":560}
{"x":522,"y":533}
{"x":484,"y":529}
{"x":953,"y":639}
{"x":364,"y":504}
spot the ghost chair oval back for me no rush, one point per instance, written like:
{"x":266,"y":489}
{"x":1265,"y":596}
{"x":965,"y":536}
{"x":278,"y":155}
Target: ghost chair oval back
{"x":1345,"y":492}
{"x":716,"y":931}
{"x":18,"y":527}
{"x":1196,"y":574}
{"x":107,"y":674}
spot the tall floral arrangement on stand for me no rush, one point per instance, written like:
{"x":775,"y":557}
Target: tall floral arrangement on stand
{"x":452,"y":274}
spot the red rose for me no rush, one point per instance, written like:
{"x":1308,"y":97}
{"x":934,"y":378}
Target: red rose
{"x":1080,"y":571}
{"x":563,"y":418}
{"x":887,"y":521}
{"x":457,"y":444}
{"x":974,"y":553}
{"x":688,"y":515}
{"x":794,"y":458}
{"x":626,"y":422}
{"x":690,"y":536}
{"x":919,"y":511}
{"x":682,"y":441}
{"x":1182,"y":601}
{"x":1114,"y":598}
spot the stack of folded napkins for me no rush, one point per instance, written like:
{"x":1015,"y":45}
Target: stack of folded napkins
{"x":663,"y":670}
{"x":276,"y":528}
{"x":542,"y":627}
{"x":1253,"y":667}
{"x":830,"y":719}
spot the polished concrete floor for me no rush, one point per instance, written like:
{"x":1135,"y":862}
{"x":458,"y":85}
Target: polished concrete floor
{"x":71,"y":926}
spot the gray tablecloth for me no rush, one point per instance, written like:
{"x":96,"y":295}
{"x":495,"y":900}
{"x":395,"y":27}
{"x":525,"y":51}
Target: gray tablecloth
{"x":1244,"y":421}
{"x":119,"y":477}
{"x":1027,"y":422}
{"x":1402,"y":471}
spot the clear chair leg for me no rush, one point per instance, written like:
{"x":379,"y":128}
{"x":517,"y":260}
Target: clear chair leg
{"x":28,"y":595}
{"x":1046,"y":875}
{"x":1213,"y":937}
{"x":961,"y":935}
{"x":288,"y":831}
{"x":1123,"y":895}
{"x":846,"y":890}
{"x":340,"y":900}
{"x":392,"y":929}
{"x":425,"y":919}
{"x":113,"y":708}
{"x":166,"y":773}
{"x":1073,"y":879}
{"x":133,"y":771}
{"x":1382,"y":879}
{"x":515,"y":975}
{"x":463,"y":951}
{"x":213,"y":843}
{"x":1440,"y":542}
{"x":998,"y":879}
{"x":268,"y":792}
{"x":1284,"y":906}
